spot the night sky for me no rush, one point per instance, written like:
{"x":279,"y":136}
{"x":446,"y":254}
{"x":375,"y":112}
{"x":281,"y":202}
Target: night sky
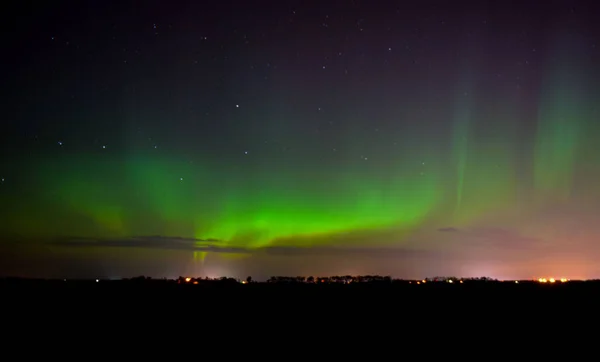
{"x":263,"y":138}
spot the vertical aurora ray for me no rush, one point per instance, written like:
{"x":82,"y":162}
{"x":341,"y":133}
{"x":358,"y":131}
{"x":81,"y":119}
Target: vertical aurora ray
{"x":490,"y":177}
{"x":484,"y":149}
{"x":462,"y":124}
{"x":484,"y":156}
{"x":561,"y":117}
{"x":460,"y":151}
{"x":200,"y":257}
{"x":463,"y":112}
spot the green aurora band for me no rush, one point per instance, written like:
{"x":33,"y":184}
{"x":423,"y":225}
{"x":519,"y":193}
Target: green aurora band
{"x":478,"y":172}
{"x":160,"y":197}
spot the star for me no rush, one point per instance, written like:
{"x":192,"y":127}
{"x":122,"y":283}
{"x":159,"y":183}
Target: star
{"x":103,"y":147}
{"x":60,"y":143}
{"x":181,"y":179}
{"x":237,"y":106}
{"x":245,"y":152}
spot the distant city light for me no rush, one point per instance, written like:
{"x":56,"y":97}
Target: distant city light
{"x":552,"y":280}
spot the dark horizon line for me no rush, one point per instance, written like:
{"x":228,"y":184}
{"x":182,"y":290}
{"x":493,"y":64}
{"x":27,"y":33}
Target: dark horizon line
{"x":305,"y":279}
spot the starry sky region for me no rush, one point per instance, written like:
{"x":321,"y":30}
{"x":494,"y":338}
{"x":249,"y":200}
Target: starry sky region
{"x":300,"y":138}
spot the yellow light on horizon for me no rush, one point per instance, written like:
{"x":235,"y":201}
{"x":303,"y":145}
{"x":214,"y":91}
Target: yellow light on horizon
{"x":188,"y":279}
{"x":552,"y":280}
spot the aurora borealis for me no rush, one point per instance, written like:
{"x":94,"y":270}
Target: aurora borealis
{"x":280,"y":138}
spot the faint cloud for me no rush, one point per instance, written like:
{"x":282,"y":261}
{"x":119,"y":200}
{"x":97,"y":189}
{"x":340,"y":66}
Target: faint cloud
{"x":150,"y":242}
{"x":501,"y":238}
{"x":216,"y":246}
{"x":448,"y":229}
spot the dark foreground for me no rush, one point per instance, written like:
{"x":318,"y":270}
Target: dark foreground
{"x":204,"y":292}
{"x":224,"y":307}
{"x":346,"y":318}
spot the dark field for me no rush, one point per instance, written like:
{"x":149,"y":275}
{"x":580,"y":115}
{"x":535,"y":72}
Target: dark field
{"x":216,"y":290}
{"x":219,"y":306}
